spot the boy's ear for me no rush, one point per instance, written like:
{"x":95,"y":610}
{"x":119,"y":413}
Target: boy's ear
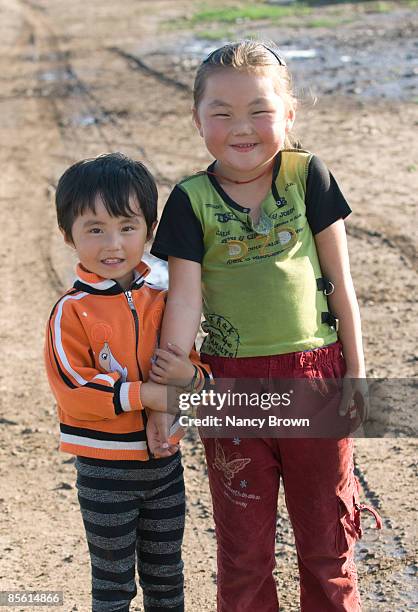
{"x":67,"y":239}
{"x":197,"y":121}
{"x":151,"y":231}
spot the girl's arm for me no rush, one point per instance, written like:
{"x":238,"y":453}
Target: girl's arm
{"x":184,"y":304}
{"x":180,"y":325}
{"x":331,"y":244}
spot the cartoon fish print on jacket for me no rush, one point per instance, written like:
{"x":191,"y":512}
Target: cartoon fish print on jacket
{"x":235,"y":463}
{"x":109,"y":364}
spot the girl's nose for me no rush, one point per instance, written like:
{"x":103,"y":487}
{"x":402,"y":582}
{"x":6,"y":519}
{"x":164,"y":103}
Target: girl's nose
{"x":242,"y":127}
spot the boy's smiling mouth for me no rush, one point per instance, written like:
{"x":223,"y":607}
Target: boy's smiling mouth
{"x":112,"y":260}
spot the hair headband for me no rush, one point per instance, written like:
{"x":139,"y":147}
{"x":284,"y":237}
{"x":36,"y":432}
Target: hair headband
{"x":278,"y":57}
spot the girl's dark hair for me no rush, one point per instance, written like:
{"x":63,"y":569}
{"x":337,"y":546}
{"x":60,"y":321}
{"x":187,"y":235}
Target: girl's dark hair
{"x":115,"y":178}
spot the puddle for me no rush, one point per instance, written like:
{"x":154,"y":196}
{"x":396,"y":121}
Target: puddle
{"x":84,"y":120}
{"x":375,"y":58}
{"x":298,"y":53}
{"x":52,"y":76}
{"x":386,"y":571}
{"x":80,"y":121}
{"x":379,"y":554}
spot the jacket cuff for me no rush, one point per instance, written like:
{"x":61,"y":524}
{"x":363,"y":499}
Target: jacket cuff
{"x":127,"y":397}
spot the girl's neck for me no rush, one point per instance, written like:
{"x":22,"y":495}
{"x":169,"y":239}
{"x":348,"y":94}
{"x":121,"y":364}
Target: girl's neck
{"x":248,"y":195}
{"x":228,"y":175}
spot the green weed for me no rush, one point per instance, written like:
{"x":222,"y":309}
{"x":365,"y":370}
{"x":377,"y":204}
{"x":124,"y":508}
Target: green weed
{"x":248,"y":12}
{"x":217,"y":34}
{"x":326,"y":23}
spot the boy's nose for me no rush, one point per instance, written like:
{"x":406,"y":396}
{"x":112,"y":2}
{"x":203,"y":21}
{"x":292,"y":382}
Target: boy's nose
{"x":113,"y":241}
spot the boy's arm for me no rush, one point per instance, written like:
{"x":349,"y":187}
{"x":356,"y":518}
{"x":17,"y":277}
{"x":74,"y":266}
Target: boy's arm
{"x":83,"y":391}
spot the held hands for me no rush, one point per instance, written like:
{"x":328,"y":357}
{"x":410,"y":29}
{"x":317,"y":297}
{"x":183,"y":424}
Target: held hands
{"x":171,"y":367}
{"x":158,"y":430}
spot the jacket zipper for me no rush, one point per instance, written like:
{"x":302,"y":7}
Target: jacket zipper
{"x":136,"y":321}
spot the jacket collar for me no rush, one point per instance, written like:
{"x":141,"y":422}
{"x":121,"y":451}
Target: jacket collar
{"x":93,"y":283}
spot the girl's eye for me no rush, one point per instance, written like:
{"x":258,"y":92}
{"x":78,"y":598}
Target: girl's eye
{"x":95,"y":230}
{"x":261,"y":112}
{"x":221,"y":115}
{"x":128,"y":228}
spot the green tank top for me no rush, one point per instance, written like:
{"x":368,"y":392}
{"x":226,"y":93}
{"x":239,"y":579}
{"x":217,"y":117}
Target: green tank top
{"x":259,"y":284}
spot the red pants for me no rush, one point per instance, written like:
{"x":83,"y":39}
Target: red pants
{"x":320,"y":491}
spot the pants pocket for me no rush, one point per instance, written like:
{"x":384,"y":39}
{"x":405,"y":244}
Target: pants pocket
{"x":349,"y":524}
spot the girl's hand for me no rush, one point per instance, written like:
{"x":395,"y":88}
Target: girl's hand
{"x":172,"y":367}
{"x":354,"y":400}
{"x":158,"y":429}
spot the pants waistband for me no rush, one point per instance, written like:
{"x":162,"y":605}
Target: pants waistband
{"x":324,"y":354}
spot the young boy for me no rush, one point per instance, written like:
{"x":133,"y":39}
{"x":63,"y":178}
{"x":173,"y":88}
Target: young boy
{"x":100,"y":340}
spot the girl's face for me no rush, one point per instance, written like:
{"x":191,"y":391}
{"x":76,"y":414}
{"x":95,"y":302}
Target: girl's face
{"x":243,"y":120}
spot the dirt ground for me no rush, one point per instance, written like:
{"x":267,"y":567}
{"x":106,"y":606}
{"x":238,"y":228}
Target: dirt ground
{"x":82,"y":78}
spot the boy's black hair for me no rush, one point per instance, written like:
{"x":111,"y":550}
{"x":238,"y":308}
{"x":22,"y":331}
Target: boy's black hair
{"x":115,"y":178}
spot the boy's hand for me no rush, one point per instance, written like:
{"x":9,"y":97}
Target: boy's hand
{"x":159,"y":398}
{"x":172,"y":367}
{"x":158,"y":428}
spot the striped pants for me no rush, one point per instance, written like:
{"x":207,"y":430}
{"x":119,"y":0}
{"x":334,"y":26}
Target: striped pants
{"x":133,"y":512}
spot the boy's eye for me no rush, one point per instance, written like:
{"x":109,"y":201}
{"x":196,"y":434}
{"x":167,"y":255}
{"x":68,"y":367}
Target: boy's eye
{"x":221,"y":115}
{"x":128,"y":228}
{"x":261,"y":112}
{"x":95,"y":230}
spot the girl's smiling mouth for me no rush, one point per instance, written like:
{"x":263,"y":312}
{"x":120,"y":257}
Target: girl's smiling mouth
{"x":244,"y":147}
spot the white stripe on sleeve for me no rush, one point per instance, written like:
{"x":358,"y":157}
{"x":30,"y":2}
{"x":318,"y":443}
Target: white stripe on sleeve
{"x":58,"y":339}
{"x":124,"y":397}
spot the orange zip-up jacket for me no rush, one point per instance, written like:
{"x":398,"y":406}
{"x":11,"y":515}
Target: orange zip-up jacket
{"x":99,"y":343}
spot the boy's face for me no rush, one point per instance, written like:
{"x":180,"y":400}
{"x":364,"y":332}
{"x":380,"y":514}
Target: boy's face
{"x":111,"y":247}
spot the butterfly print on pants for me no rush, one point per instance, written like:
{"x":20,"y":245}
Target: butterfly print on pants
{"x":231,"y":466}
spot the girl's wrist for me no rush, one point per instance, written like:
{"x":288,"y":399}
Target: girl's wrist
{"x":355,"y":373}
{"x":195,"y":382}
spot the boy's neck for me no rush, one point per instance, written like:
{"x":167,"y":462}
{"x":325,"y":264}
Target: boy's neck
{"x":125,"y":282}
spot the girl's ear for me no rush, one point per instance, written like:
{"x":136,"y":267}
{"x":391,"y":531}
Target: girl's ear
{"x":290,"y":119}
{"x":197,"y":121}
{"x":67,"y":239}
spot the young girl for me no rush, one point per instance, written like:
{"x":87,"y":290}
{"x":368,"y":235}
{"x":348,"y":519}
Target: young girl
{"x":260,"y":236}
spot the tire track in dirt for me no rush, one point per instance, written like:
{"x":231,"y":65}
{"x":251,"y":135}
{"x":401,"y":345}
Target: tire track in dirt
{"x":137,"y":63}
{"x":45,"y":48}
{"x":404,"y":245}
{"x":46,"y":45}
{"x":46,"y":54}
